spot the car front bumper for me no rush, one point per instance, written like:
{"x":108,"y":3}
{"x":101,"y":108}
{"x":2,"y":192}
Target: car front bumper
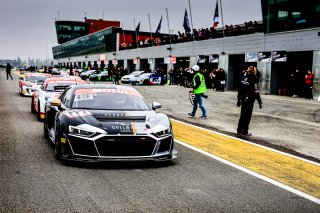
{"x":27,"y":91}
{"x":118,"y":148}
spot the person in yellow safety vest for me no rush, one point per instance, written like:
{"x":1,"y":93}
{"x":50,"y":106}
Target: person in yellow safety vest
{"x":198,"y":88}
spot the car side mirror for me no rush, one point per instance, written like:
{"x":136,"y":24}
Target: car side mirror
{"x":156,"y":105}
{"x":40,"y":82}
{"x":56,"y":102}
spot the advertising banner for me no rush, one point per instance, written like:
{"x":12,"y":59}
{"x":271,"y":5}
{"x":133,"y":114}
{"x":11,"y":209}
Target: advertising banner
{"x":264,"y":56}
{"x":251,"y":57}
{"x":202,"y":59}
{"x":279,"y":56}
{"x":135,"y":61}
{"x":214,"y":58}
{"x":167,"y":60}
{"x":173,"y":59}
{"x":150,"y":60}
{"x":102,"y":57}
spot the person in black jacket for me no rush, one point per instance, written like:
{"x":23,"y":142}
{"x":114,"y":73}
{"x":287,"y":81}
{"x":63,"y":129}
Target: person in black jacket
{"x":247,"y":94}
{"x":8,"y":70}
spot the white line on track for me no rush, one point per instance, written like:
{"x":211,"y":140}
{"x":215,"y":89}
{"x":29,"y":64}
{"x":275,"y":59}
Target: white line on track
{"x":276,"y":183}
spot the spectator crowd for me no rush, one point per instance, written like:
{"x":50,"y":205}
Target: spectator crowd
{"x":197,"y":34}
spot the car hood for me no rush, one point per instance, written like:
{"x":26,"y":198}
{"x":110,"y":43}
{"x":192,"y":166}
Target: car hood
{"x":116,"y":122}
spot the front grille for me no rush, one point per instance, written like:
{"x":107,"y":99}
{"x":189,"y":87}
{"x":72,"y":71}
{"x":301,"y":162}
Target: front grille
{"x":82,"y":146}
{"x":125,"y":146}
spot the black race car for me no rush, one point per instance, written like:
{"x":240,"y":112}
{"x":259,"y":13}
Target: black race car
{"x":107,"y":122}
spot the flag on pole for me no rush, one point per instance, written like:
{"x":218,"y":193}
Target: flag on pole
{"x":135,"y":35}
{"x":138,"y":28}
{"x":159,"y":27}
{"x":186,"y":22}
{"x":216,"y":16}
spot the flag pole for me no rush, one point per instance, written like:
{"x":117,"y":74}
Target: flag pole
{"x":191,"y":20}
{"x":222,"y":18}
{"x":150,"y":29}
{"x":168,"y":28}
{"x":135,"y":31}
{"x":124,"y":38}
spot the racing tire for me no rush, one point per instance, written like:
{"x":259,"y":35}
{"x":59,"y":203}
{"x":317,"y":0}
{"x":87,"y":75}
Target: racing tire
{"x":20,"y":91}
{"x":32,"y":107}
{"x":145,"y":82}
{"x":45,"y":129}
{"x":57,"y":147}
{"x":38,"y":113}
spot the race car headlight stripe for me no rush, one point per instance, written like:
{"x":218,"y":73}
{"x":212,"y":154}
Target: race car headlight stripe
{"x":162,"y":133}
{"x":80,"y":132}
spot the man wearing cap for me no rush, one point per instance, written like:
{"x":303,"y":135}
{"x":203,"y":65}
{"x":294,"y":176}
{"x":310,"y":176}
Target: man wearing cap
{"x":198,"y":88}
{"x":247,"y":93}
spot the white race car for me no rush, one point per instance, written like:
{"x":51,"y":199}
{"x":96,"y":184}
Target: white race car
{"x":30,"y":82}
{"x":51,"y":88}
{"x":127,"y":78}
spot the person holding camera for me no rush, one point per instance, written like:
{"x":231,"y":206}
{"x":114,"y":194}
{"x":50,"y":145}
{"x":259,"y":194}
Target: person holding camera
{"x":198,"y":88}
{"x":247,"y":94}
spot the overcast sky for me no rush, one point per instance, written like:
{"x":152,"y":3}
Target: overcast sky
{"x":27,"y":26}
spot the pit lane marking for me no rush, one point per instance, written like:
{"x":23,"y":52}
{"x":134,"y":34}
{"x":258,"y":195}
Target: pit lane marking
{"x":294,"y":174}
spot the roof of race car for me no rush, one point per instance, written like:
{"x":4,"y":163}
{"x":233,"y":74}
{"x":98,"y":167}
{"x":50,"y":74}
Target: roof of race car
{"x":104,"y":88}
{"x":64,"y":80}
{"x":37,"y":74}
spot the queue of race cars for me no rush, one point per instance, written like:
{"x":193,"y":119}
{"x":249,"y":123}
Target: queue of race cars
{"x":99,"y":122}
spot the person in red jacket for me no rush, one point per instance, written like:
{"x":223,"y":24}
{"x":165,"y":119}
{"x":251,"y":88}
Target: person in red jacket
{"x":309,"y":83}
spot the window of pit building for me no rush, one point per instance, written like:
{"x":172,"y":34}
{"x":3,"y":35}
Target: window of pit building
{"x":288,"y":15}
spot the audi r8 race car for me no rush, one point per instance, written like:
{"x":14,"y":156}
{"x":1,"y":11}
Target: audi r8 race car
{"x":148,"y":79}
{"x":127,"y":78}
{"x":51,"y":87}
{"x":101,"y":122}
{"x":29,"y":82}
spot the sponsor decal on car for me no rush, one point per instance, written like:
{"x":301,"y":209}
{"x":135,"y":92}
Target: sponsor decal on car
{"x":75,"y":114}
{"x":113,"y":91}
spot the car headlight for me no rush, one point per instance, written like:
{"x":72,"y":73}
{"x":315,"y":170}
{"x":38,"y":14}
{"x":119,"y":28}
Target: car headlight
{"x":80,"y":132}
{"x":163,"y":133}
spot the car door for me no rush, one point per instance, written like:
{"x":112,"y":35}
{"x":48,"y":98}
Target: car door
{"x":40,"y":91}
{"x":65,"y":104}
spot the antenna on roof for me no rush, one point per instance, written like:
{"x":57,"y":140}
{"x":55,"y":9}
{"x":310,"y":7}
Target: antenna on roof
{"x":85,"y":15}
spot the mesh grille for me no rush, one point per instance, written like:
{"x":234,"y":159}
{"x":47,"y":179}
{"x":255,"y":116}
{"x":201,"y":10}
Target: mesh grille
{"x":125,"y":146}
{"x":82,"y":146}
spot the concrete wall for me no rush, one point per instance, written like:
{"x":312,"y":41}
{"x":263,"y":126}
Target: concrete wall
{"x":316,"y":71}
{"x":265,"y":77}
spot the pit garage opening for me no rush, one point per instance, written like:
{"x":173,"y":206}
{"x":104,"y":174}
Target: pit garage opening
{"x":284,"y":78}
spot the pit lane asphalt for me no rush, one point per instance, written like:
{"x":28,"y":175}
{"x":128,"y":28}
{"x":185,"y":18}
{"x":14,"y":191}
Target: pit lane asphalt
{"x":284,"y":123}
{"x":31,"y":180}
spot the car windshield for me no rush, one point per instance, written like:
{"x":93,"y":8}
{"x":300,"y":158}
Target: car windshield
{"x":50,"y":87}
{"x":109,"y":99}
{"x":146,"y":74}
{"x":36,"y":78}
{"x":136,"y":73}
